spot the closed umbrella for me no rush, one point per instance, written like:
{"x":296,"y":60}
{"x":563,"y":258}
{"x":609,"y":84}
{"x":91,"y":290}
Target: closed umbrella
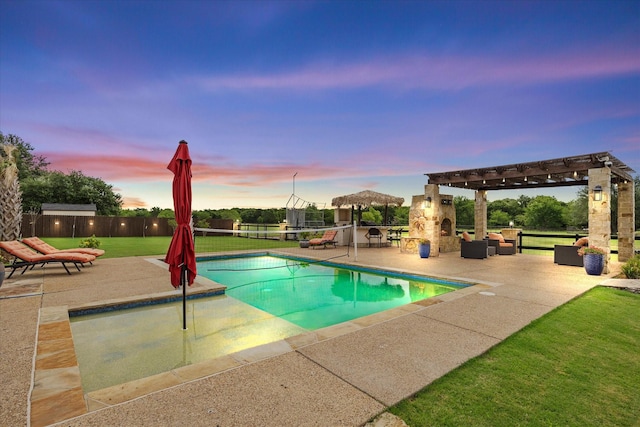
{"x":181,"y":256}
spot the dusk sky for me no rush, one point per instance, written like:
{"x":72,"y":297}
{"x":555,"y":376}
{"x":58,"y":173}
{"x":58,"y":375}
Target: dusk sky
{"x":350,"y":95}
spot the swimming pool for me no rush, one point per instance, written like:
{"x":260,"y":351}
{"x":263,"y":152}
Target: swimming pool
{"x":289,"y":298}
{"x":315,"y":295}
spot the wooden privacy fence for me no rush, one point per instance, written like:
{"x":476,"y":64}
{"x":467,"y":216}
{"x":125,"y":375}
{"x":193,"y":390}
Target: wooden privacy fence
{"x":103,"y":226}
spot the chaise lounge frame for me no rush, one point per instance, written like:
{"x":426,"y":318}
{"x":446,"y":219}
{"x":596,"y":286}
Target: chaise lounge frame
{"x":26,"y":258}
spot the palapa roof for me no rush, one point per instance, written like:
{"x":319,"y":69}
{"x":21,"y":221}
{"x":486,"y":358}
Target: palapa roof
{"x":560,"y":172}
{"x":367,"y":198}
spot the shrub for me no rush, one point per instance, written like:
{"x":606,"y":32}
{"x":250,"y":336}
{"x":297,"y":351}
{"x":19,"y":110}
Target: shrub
{"x":631,"y":268}
{"x":593,"y":250}
{"x":90,"y":242}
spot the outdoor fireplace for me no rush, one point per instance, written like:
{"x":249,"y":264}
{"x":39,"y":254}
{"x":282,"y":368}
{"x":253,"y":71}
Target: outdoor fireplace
{"x":445,"y":227}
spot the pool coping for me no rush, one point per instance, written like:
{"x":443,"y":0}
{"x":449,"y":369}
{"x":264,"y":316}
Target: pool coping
{"x":57,"y":386}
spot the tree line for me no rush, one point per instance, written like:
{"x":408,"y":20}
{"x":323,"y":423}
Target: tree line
{"x":40,"y":185}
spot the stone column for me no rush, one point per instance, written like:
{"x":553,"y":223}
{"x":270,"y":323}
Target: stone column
{"x":600,"y":212}
{"x":480,"y":215}
{"x":424,"y":221}
{"x":626,"y":220}
{"x":432,"y":217}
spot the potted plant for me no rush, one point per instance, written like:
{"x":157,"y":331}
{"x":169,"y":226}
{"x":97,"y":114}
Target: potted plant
{"x":424,"y":247}
{"x":593,"y":258}
{"x":304,"y":239}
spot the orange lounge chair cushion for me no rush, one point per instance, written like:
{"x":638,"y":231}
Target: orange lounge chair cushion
{"x":27,"y":254}
{"x":328,"y":236}
{"x":45,"y":248}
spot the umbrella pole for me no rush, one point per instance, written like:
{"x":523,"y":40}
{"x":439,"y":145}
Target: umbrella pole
{"x":183,"y":279}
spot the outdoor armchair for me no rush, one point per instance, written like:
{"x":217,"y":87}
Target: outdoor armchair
{"x":567,"y":255}
{"x":503,"y":246}
{"x":476,"y":249}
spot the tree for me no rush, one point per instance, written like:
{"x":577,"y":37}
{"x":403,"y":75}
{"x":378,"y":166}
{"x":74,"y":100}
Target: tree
{"x":29,"y":165}
{"x":578,"y":210}
{"x":545,"y":212}
{"x":499,"y":219}
{"x":75,"y":188}
{"x":11,"y":199}
{"x":511,"y":208}
{"x":372,"y":215}
{"x":465,"y":211}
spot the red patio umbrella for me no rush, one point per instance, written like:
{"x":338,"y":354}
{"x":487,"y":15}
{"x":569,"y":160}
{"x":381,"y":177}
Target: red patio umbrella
{"x":181,"y":256}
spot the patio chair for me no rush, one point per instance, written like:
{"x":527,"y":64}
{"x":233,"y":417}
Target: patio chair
{"x":567,"y":255}
{"x":328,"y":238}
{"x":45,"y":248}
{"x":26,"y":258}
{"x":374,"y":234}
{"x":475,"y":249}
{"x":503,"y":246}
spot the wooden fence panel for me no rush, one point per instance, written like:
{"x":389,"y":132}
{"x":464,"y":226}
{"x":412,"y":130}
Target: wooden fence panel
{"x":103,"y":226}
{"x":100,"y":226}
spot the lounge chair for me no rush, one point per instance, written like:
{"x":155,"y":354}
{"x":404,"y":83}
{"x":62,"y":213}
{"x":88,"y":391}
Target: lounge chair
{"x":328,"y":238}
{"x":25,"y":257}
{"x":45,"y":248}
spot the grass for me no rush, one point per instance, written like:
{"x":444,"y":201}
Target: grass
{"x":158,"y":245}
{"x":577,"y":366}
{"x":116,"y":247}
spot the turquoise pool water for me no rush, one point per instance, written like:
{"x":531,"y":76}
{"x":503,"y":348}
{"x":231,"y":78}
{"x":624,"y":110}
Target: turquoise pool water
{"x":261,"y":306}
{"x":315,"y":295}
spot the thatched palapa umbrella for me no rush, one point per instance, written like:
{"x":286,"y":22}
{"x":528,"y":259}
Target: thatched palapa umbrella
{"x":367,"y":198}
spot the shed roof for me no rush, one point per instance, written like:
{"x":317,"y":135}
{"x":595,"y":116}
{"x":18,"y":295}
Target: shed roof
{"x":564,"y":171}
{"x":68,"y":207}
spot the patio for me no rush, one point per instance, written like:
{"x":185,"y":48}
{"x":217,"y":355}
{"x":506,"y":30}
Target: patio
{"x":341,"y":375}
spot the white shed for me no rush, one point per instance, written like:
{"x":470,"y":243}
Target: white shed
{"x":64,"y":209}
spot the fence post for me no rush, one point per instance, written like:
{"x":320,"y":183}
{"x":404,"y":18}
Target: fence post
{"x":519,"y":242}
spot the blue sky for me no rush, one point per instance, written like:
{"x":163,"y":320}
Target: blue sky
{"x":348,"y":95}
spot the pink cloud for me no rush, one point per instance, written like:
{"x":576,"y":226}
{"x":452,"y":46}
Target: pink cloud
{"x":133,"y":203}
{"x":440,"y":72}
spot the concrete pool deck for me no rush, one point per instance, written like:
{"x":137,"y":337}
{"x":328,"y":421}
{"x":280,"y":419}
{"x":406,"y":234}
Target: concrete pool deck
{"x":342,"y":375}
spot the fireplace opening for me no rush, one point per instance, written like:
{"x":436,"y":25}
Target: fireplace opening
{"x":445,"y":227}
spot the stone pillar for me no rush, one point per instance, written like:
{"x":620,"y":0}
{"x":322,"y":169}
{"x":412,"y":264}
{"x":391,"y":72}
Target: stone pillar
{"x":424,"y":221}
{"x":626,"y":220}
{"x":600,"y":212}
{"x":480,"y":215}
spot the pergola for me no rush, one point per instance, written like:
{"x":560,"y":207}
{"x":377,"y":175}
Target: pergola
{"x":598,"y":171}
{"x":565,"y":171}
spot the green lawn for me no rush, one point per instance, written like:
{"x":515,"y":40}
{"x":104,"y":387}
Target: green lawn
{"x":151,"y":246}
{"x":577,"y":366}
{"x":116,"y":247}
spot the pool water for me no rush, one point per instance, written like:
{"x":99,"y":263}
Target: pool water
{"x":261,"y":306}
{"x":316,"y":295}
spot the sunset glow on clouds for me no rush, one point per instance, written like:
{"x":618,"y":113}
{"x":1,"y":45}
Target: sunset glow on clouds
{"x":348,"y":95}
